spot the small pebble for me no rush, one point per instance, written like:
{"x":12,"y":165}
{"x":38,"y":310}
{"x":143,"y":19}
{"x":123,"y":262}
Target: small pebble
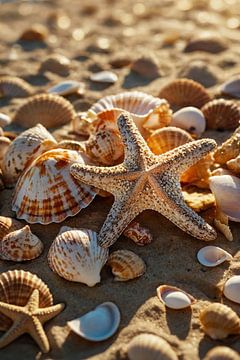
{"x":36,"y":32}
{"x":232,"y":87}
{"x":146,"y":66}
{"x":104,"y":77}
{"x":210,"y":44}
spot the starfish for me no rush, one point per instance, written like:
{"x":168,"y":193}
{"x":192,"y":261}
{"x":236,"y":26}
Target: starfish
{"x":29,"y":319}
{"x":146,"y":181}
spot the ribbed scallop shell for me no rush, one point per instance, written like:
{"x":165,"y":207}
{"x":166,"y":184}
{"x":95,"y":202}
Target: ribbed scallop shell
{"x":14,"y":87}
{"x":126,"y":265}
{"x":230,"y":149}
{"x":234,"y":165}
{"x":76,"y":256}
{"x":139,"y":234}
{"x":174,"y":298}
{"x":150,"y":347}
{"x":7,"y":225}
{"x":47,"y":109}
{"x":221,"y":353}
{"x":57,"y":64}
{"x":20,"y":245}
{"x":185,"y":92}
{"x":16,"y":286}
{"x":24,"y":148}
{"x":221,"y":114}
{"x":218,"y":321}
{"x":47,"y":192}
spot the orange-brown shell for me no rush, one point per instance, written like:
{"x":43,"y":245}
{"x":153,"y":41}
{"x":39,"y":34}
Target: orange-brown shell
{"x":199,"y":173}
{"x":37,"y":32}
{"x":230,"y":149}
{"x":221,"y":114}
{"x":7,"y":225}
{"x":57,"y":64}
{"x":221,"y":353}
{"x":14,"y":87}
{"x":234,"y":165}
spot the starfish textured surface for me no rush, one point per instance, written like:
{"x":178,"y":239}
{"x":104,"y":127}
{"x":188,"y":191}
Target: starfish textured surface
{"x":29,"y":319}
{"x":146,"y":181}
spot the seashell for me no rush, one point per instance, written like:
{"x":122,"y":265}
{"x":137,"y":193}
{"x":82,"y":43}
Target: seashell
{"x":98,"y":324}
{"x":190,"y":119}
{"x":47,"y":192}
{"x":226,"y":191}
{"x":67,"y":87}
{"x":199,"y":173}
{"x":213,"y":256}
{"x":82,"y":123}
{"x":234,"y":165}
{"x":48,"y":109}
{"x":231,"y":289}
{"x":230,"y":149}
{"x":16,"y":286}
{"x":208,"y":43}
{"x":7,"y":225}
{"x":221,"y":171}
{"x":174,"y":298}
{"x":37,"y":32}
{"x":149,"y":346}
{"x":57,"y":64}
{"x":146,"y":66}
{"x":232,"y":87}
{"x":221,"y":114}
{"x":20,"y":245}
{"x":198,"y":199}
{"x":185,"y":92}
{"x":1,"y":132}
{"x":139,"y":234}
{"x":221,"y":223}
{"x":76,"y":256}
{"x":218,"y":321}
{"x":202,"y":72}
{"x":4,"y":120}
{"x":120,"y":60}
{"x":104,"y":77}
{"x":221,"y":353}
{"x":26,"y":147}
{"x":14,"y":87}
{"x":4,"y":146}
{"x":126,"y":265}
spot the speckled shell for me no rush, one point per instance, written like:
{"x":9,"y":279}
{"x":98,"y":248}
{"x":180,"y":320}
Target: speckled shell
{"x":234,"y":165}
{"x":174,"y":298}
{"x":221,"y":353}
{"x":230,"y":149}
{"x":139,"y":234}
{"x":26,"y":147}
{"x":14,"y":87}
{"x":37,"y":32}
{"x":185,"y":92}
{"x":57,"y":64}
{"x":16,"y":286}
{"x":232,"y":87}
{"x":221,"y":114}
{"x":7,"y":225}
{"x":190,"y":119}
{"x":47,"y":192}
{"x":126,"y":265}
{"x":149,"y":346}
{"x":48,"y":109}
{"x":231,"y":289}
{"x":76,"y":256}
{"x":218,"y":321}
{"x":20,"y":245}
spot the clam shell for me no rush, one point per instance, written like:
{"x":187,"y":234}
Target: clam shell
{"x":98,"y":324}
{"x":126,"y":265}
{"x":190,"y":119}
{"x":213,"y":256}
{"x":232,"y":87}
{"x":221,"y":353}
{"x":149,"y":346}
{"x":48,"y":109}
{"x":104,"y":77}
{"x":218,"y":321}
{"x":7,"y":225}
{"x":185,"y":92}
{"x":4,"y":120}
{"x":232,"y":289}
{"x":234,"y":165}
{"x":221,"y":114}
{"x":20,"y":245}
{"x":139,"y":234}
{"x":37,"y":32}
{"x":230,"y":149}
{"x":14,"y":87}
{"x":76,"y":256}
{"x":67,"y":87}
{"x":174,"y":298}
{"x":47,"y":192}
{"x":57,"y":64}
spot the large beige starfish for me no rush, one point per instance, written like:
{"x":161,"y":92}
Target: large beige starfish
{"x":146,"y":181}
{"x":29,"y":319}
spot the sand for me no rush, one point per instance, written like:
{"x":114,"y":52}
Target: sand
{"x":97,"y":35}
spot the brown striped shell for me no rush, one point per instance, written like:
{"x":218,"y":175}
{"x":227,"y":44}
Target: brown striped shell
{"x":221,"y":353}
{"x":7,"y":225}
{"x":12,"y":86}
{"x":234,"y":165}
{"x":221,"y":114}
{"x":47,"y":109}
{"x":37,"y":32}
{"x":57,"y":64}
{"x":139,"y":234}
{"x":230,"y":149}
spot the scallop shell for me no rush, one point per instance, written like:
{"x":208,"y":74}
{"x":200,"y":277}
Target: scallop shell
{"x":139,"y":234}
{"x":218,"y":321}
{"x":98,"y":324}
{"x":4,"y":146}
{"x":232,"y":289}
{"x":190,"y":119}
{"x":14,"y":87}
{"x":37,"y":32}
{"x":149,"y":346}
{"x":76,"y":256}
{"x":48,"y":109}
{"x":230,"y":149}
{"x":221,"y":353}
{"x":104,"y":77}
{"x":221,"y":114}
{"x":20,"y":245}
{"x":234,"y":165}
{"x":67,"y":87}
{"x":16,"y":286}
{"x":126,"y":265}
{"x":174,"y":298}
{"x":213,"y":256}
{"x":47,"y":192}
{"x":7,"y":225}
{"x":57,"y":64}
{"x":185,"y":92}
{"x":232,"y":87}
{"x":23,"y":150}
{"x":4,"y":120}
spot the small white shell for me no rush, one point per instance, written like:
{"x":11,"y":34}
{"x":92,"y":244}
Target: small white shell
{"x":190,"y":119}
{"x":4,"y":120}
{"x":67,"y":87}
{"x":104,"y":77}
{"x":232,"y":87}
{"x":212,"y":256}
{"x":98,"y":324}
{"x":231,"y":289}
{"x":174,"y":298}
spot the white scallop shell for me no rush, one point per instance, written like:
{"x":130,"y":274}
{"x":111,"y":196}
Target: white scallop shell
{"x":231,"y":289}
{"x":232,"y":87}
{"x":67,"y":87}
{"x":174,"y":298}
{"x":104,"y":77}
{"x":213,"y":256}
{"x":190,"y":119}
{"x":76,"y":256}
{"x":4,"y":120}
{"x":98,"y":324}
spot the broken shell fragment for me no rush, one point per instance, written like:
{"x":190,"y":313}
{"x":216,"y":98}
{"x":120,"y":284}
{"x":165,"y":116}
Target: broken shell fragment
{"x":139,"y":234}
{"x":213,"y":256}
{"x":190,"y":119}
{"x":230,"y":149}
{"x":174,"y":298}
{"x":67,"y":88}
{"x":98,"y":324}
{"x":221,"y":353}
{"x":7,"y":225}
{"x":234,"y":165}
{"x":4,"y":146}
{"x":104,"y":77}
{"x":232,"y":87}
{"x":231,"y":289}
{"x":4,"y":120}
{"x":14,"y":87}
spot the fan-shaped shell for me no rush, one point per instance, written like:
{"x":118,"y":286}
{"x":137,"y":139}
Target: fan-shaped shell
{"x":221,"y":353}
{"x":231,"y":289}
{"x":213,"y":256}
{"x":149,"y":346}
{"x":218,"y":321}
{"x":14,"y":87}
{"x":221,"y":114}
{"x":57,"y":64}
{"x":174,"y":298}
{"x":7,"y":225}
{"x":229,"y":149}
{"x":234,"y":165}
{"x":76,"y":256}
{"x":190,"y":119}
{"x":232,"y":87}
{"x":185,"y":92}
{"x":47,"y":192}
{"x":139,"y":234}
{"x":16,"y":286}
{"x":48,"y":109}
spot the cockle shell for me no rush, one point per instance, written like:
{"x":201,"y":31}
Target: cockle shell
{"x":4,"y":120}
{"x":218,"y":321}
{"x":232,"y":87}
{"x":149,"y":346}
{"x":20,"y":245}
{"x":190,"y":119}
{"x":57,"y":64}
{"x":221,"y":114}
{"x":139,"y":234}
{"x":221,"y":353}
{"x":67,"y":87}
{"x":48,"y":109}
{"x":76,"y":256}
{"x":126,"y":265}
{"x":14,"y":87}
{"x":7,"y":225}
{"x":26,"y":147}
{"x":230,"y":149}
{"x":16,"y":286}
{"x":37,"y":32}
{"x":174,"y":298}
{"x":231,"y":289}
{"x":234,"y":165}
{"x":98,"y":324}
{"x":104,"y":77}
{"x":213,"y":256}
{"x":47,"y":192}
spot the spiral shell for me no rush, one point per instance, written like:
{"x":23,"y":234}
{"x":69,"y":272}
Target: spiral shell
{"x":221,"y":114}
{"x":7,"y":225}
{"x":234,"y":165}
{"x":14,"y":87}
{"x":57,"y":64}
{"x":139,"y":234}
{"x":221,"y":353}
{"x":230,"y":149}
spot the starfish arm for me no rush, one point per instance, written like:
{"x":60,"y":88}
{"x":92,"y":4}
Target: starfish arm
{"x":36,"y":331}
{"x":13,"y":333}
{"x":9,"y":310}
{"x":45,"y":314}
{"x":33,"y":301}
